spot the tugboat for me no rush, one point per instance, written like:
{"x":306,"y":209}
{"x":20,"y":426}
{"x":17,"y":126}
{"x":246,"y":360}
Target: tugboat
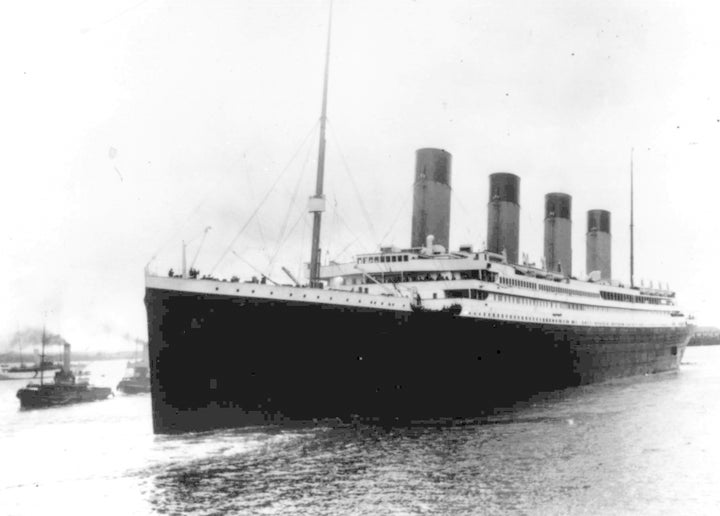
{"x":64,"y":390}
{"x":137,"y":376}
{"x":137,"y":381}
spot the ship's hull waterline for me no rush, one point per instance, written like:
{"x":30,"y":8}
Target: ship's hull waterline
{"x":225,"y":361}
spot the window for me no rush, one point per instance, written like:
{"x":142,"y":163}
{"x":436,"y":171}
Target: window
{"x":467,"y":293}
{"x":488,"y":276}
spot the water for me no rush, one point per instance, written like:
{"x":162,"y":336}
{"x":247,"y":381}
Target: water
{"x":642,"y":446}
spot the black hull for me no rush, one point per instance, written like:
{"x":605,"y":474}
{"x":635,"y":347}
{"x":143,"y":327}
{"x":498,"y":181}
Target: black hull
{"x":219,"y":361}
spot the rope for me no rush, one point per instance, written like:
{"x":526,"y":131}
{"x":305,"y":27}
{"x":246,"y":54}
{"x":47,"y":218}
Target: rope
{"x":302,"y":239}
{"x":205,"y":232}
{"x":204,"y":199}
{"x":352,"y":233}
{"x":397,"y":217}
{"x":290,"y":207}
{"x":282,"y":242}
{"x":262,"y":202}
{"x":468,"y":229}
{"x":253,"y":267}
{"x":355,"y":187}
{"x":333,"y":225}
{"x":344,"y":249}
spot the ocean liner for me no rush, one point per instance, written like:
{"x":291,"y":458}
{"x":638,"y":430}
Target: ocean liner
{"x":422,"y":333}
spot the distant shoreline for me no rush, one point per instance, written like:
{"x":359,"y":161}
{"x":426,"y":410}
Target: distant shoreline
{"x":77,"y":356}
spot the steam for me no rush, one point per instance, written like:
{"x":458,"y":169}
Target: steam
{"x":33,"y":337}
{"x":28,"y":341}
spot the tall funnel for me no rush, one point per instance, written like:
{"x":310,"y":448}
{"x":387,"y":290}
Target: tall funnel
{"x":558,"y":233}
{"x":504,"y":215}
{"x":599,"y":250}
{"x":431,"y":197}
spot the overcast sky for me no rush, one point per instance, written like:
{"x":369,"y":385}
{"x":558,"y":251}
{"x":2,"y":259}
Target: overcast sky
{"x":129,"y":126}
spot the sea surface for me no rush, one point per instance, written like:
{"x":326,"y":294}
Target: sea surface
{"x":648,"y":445}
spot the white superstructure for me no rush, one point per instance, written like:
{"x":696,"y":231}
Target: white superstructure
{"x":485,"y":286}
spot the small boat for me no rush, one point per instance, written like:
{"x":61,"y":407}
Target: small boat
{"x":46,"y":365}
{"x":64,"y":390}
{"x":137,"y":381}
{"x":137,"y":377}
{"x":26,"y":371}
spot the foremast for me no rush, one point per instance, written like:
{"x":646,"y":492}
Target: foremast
{"x":632,"y":223}
{"x":317,"y":202}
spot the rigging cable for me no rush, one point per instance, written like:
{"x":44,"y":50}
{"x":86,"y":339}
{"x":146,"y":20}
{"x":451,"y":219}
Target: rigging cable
{"x":205,"y":232}
{"x":302,"y":239}
{"x":254,"y":268}
{"x":366,"y":214}
{"x":257,"y":219}
{"x":333,"y":227}
{"x":262,"y":202}
{"x":397,"y":217}
{"x":468,"y":229}
{"x":283,"y":236}
{"x":199,"y":205}
{"x":287,"y":236}
{"x":352,"y":233}
{"x":342,"y":251}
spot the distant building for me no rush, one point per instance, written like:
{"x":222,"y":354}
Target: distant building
{"x":705,"y":336}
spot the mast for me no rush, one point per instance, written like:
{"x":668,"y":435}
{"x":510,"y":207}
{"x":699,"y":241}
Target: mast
{"x":317,"y":202}
{"x":184,"y":260}
{"x":632,"y":224}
